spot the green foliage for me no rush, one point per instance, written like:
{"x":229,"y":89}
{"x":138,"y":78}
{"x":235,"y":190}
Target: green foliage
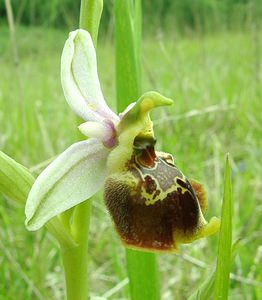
{"x":205,"y":290}
{"x":176,"y":15}
{"x":15,"y":179}
{"x":202,"y":15}
{"x":218,"y":281}
{"x":225,"y":240}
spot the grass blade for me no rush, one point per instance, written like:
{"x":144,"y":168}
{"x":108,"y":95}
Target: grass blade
{"x":205,"y":290}
{"x":225,"y":240}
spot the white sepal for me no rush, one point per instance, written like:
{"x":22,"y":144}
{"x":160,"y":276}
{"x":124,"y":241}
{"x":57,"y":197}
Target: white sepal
{"x":74,"y":176}
{"x":79,"y":78}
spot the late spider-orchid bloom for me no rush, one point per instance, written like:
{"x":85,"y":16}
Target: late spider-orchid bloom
{"x":153,"y":205}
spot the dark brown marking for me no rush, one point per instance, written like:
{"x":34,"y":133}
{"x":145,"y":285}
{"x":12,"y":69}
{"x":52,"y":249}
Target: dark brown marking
{"x":149,"y":185}
{"x":182,"y":183}
{"x":146,"y":157}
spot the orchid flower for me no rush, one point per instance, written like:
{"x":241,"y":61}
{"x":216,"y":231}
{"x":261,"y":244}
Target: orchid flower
{"x":153,"y":205}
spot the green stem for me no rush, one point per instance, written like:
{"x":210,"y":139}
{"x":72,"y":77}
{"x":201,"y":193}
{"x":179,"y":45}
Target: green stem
{"x":90,"y":14}
{"x":75,"y":259}
{"x":141,"y":266}
{"x":143,"y":275}
{"x":56,"y":228}
{"x":127,"y":48}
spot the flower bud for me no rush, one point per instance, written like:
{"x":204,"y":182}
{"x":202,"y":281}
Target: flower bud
{"x":153,"y":205}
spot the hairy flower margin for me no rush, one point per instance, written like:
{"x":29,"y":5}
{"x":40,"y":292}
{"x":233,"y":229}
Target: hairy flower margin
{"x":119,"y":155}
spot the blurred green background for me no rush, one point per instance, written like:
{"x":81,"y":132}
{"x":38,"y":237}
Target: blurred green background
{"x":204,"y":54}
{"x":181,"y":16}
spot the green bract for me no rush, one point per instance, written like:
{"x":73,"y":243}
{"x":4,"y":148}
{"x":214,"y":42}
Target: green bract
{"x":120,"y":152}
{"x":15,"y":179}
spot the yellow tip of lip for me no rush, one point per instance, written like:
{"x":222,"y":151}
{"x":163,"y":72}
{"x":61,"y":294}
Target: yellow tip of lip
{"x":211,"y":227}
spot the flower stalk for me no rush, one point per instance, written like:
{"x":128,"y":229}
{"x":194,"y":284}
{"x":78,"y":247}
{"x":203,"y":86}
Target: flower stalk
{"x":75,"y":259}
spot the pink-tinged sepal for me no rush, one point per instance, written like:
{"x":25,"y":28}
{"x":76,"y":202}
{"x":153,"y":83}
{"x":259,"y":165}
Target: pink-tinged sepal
{"x":80,"y":80}
{"x":74,"y":176}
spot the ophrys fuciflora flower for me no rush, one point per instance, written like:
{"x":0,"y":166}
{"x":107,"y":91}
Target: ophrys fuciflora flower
{"x":153,"y":205}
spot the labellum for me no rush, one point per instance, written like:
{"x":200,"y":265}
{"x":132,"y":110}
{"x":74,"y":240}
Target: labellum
{"x":153,"y":205}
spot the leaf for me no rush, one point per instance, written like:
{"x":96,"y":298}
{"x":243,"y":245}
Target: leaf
{"x":74,"y":176}
{"x":218,"y":281}
{"x":15,"y":179}
{"x":225,"y":240}
{"x":80,"y":80}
